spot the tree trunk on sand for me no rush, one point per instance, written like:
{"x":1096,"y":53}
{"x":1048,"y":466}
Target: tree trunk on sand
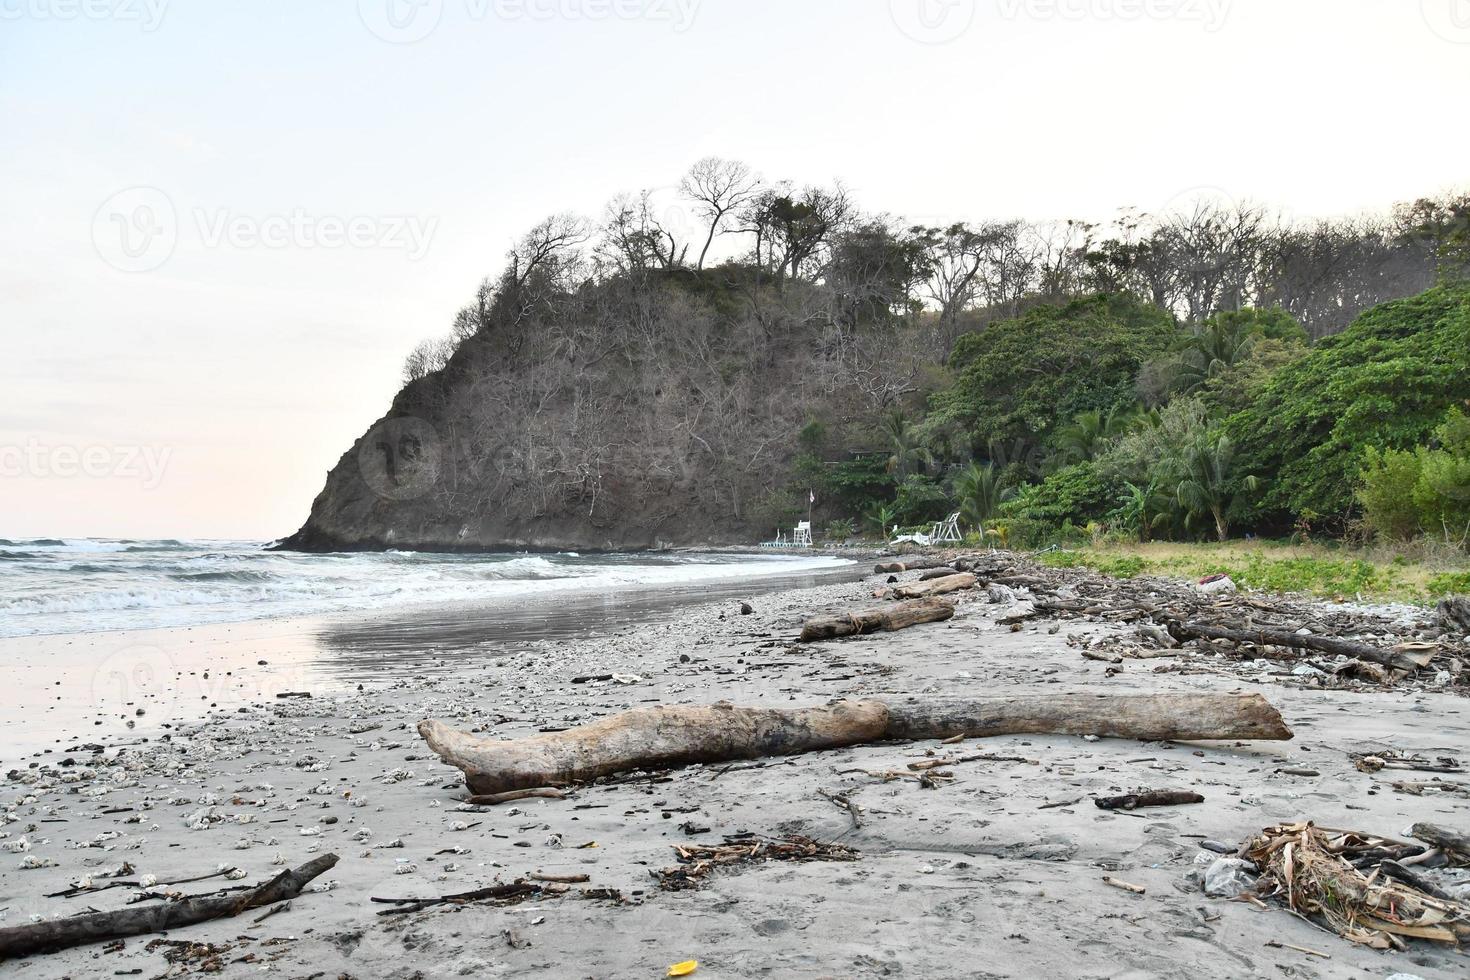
{"x":1305,"y":641}
{"x":1454,"y":613}
{"x":938,"y":586}
{"x":78,"y":930}
{"x":908,"y":565}
{"x":660,"y":738}
{"x":875,"y":618}
{"x":1441,"y":837}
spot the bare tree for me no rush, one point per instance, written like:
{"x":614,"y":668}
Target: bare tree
{"x":719,"y":188}
{"x":633,"y":240}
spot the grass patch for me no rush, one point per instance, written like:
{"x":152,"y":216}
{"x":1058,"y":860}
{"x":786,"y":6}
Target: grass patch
{"x":1309,"y":569}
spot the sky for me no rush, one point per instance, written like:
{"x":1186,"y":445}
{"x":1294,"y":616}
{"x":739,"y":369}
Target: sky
{"x":224,"y":223}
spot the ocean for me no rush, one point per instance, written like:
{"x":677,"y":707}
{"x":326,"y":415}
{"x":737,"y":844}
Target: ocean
{"x":54,"y":586}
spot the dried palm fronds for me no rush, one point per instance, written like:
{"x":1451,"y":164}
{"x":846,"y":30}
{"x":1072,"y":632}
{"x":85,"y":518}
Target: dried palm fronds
{"x":698,"y":861}
{"x":1308,"y":867}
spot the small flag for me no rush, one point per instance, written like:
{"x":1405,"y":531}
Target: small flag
{"x":811,"y":496}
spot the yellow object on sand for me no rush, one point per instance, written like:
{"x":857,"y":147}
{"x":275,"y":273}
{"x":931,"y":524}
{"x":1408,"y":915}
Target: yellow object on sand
{"x":683,"y":969}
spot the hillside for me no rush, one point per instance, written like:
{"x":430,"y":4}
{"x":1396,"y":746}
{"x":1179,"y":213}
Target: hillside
{"x":608,"y":391}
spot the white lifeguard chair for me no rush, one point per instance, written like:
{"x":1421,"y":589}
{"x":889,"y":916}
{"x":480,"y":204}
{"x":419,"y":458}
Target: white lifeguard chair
{"x":801,"y":536}
{"x":946,"y":531}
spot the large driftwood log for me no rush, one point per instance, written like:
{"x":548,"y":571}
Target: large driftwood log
{"x":1454,"y":613}
{"x":907,"y":565}
{"x":659,"y":738}
{"x":78,"y":930}
{"x":1304,"y":641}
{"x":1441,"y":837}
{"x":894,"y":617}
{"x":938,"y":586}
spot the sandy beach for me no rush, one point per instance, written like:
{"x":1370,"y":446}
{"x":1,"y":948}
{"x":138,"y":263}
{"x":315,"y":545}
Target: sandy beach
{"x":999,"y":873}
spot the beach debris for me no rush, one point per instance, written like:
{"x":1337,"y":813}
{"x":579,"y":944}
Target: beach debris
{"x":1454,"y":613}
{"x":78,"y":930}
{"x":1124,"y":885}
{"x":1451,"y":841}
{"x":668,"y":736}
{"x":1148,"y":797}
{"x":746,"y":609}
{"x":1392,"y":759}
{"x":697,"y":862}
{"x":875,"y":618}
{"x":494,"y":799}
{"x":1324,"y":874}
{"x":1407,"y":660}
{"x":1229,"y":877}
{"x":932,"y":587}
{"x":503,"y":893}
{"x":1216,"y":584}
{"x":682,"y":969}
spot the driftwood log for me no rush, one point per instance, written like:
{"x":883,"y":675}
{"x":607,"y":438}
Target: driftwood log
{"x":907,"y":565}
{"x":1399,"y":660}
{"x":1442,"y":838}
{"x":78,"y":930}
{"x":1454,"y":613}
{"x":940,"y":572}
{"x":938,"y":586}
{"x":660,"y":738}
{"x":1151,"y":797}
{"x":875,"y":618}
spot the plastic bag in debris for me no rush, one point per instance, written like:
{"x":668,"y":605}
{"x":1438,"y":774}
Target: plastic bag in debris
{"x":1212,"y":584}
{"x":1228,"y":877}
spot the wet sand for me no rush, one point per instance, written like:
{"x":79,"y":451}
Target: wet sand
{"x":984,"y":877}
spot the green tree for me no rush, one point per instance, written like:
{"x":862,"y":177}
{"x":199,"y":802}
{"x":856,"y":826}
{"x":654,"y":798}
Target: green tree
{"x":1017,"y":379}
{"x":1386,"y":381}
{"x":980,"y":490}
{"x":907,"y":450}
{"x":1092,"y":431}
{"x":1209,"y":486}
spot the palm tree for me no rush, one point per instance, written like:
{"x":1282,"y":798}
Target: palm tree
{"x":980,"y":494}
{"x":1089,"y":432}
{"x":908,"y":450}
{"x":1219,"y":345}
{"x":881,"y":516}
{"x":1208,"y":485}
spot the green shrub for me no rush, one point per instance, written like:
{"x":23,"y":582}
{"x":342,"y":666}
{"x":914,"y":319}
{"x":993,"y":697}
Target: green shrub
{"x":1450,"y":583}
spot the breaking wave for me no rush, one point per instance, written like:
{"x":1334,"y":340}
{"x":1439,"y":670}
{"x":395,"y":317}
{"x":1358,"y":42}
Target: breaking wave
{"x":53,"y":585}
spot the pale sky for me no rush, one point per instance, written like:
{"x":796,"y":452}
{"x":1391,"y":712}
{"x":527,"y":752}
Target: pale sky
{"x":225,"y":222}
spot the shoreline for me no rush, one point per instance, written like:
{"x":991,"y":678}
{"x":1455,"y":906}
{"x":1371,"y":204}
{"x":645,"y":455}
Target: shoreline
{"x":999,"y":874}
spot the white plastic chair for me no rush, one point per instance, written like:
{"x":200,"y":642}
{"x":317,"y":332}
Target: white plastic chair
{"x":947,"y":530}
{"x":801,"y":537}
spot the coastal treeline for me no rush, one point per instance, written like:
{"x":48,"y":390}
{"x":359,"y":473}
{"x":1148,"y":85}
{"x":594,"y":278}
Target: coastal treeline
{"x":709,"y":367}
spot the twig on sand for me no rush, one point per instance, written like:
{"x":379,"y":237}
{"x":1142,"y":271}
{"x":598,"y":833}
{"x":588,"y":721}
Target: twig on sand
{"x":1300,"y":949}
{"x":1126,"y":886}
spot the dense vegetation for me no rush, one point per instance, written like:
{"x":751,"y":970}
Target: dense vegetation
{"x":1184,"y":376}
